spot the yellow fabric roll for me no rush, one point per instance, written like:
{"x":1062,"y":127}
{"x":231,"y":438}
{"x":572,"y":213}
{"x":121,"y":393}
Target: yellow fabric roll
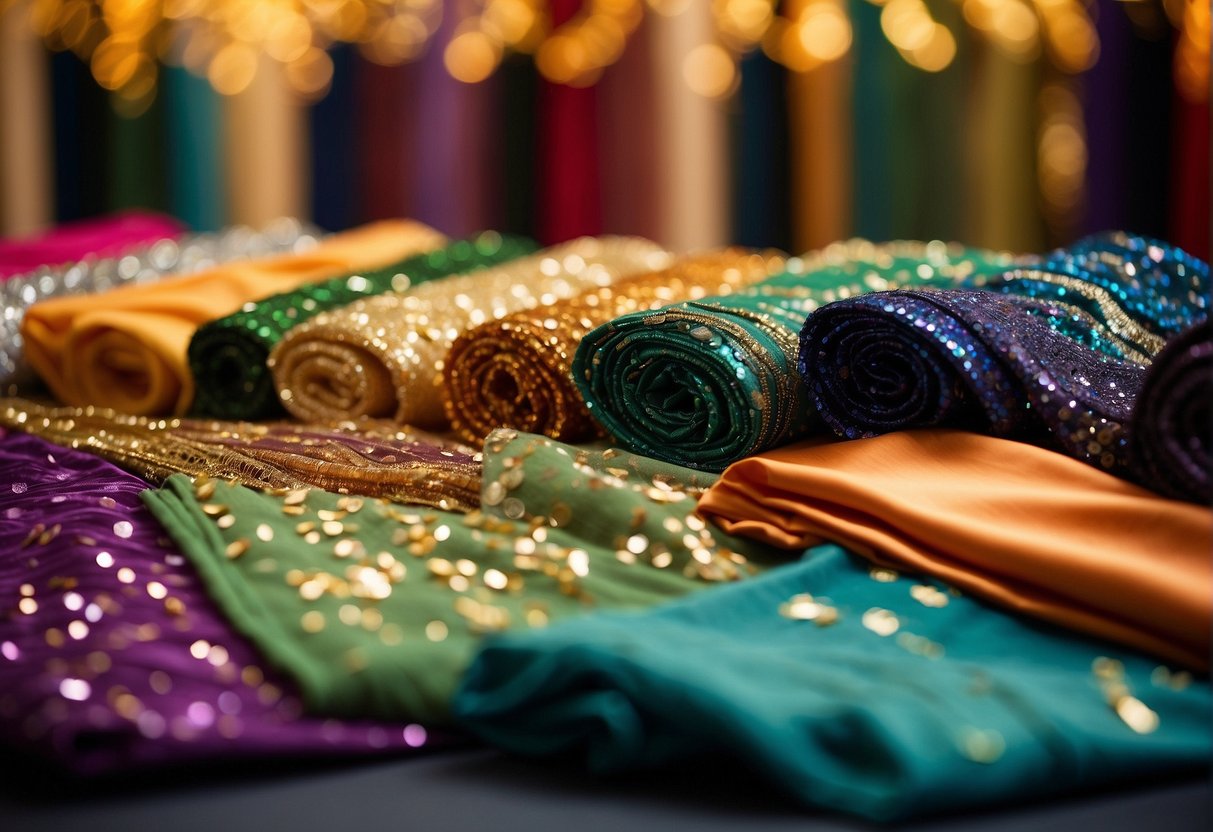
{"x":383,"y":356}
{"x":517,"y":373}
{"x":126,"y":348}
{"x":1020,"y":526}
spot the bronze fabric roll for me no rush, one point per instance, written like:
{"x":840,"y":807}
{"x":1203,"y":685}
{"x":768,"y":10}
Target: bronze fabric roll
{"x":372,"y":459}
{"x":517,"y":372}
{"x":383,"y":356}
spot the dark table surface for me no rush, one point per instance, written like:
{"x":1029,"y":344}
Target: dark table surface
{"x":481,"y":789}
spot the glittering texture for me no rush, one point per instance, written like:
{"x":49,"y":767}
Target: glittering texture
{"x":1140,"y":290}
{"x":384,"y":356}
{"x":188,"y":254}
{"x":126,"y":348}
{"x":708,"y":382}
{"x":372,"y":459}
{"x":517,"y":372}
{"x":107,"y":236}
{"x":111,"y":655}
{"x":228,"y":356}
{"x":894,"y":709}
{"x":1169,"y":438}
{"x":375,"y":609}
{"x":1002,"y":364}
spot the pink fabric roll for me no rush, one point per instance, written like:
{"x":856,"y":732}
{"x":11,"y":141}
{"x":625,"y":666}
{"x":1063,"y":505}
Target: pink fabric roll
{"x":107,"y":236}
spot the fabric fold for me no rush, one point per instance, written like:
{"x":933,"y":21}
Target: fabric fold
{"x":228,"y":356}
{"x":372,"y":460}
{"x":708,"y":382}
{"x":375,"y":609}
{"x":108,"y":236}
{"x":517,"y":372}
{"x":867,"y":694}
{"x":1020,"y":526}
{"x":126,"y":348}
{"x":383,"y":356}
{"x":1169,"y":432}
{"x":112,"y":657}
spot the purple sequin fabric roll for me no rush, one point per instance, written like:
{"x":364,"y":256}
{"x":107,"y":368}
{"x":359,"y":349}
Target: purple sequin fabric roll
{"x":1022,"y":368}
{"x":1169,"y":439}
{"x":111,"y":655}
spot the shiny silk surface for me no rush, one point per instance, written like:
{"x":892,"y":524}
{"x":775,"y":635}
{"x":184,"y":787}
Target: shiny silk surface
{"x":383,"y":356}
{"x":708,"y":382}
{"x":517,"y":372}
{"x":1169,"y":436}
{"x":164,"y":257}
{"x":1020,"y":526}
{"x":111,"y":654}
{"x":100,"y":237}
{"x":862,"y":692}
{"x":372,"y":459}
{"x":375,"y":609}
{"x":228,"y":356}
{"x":1014,"y":366}
{"x":126,"y":348}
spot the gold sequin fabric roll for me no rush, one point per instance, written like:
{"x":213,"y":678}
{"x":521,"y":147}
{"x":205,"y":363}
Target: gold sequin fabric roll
{"x":383,"y":356}
{"x":517,"y":373}
{"x":371,"y":459}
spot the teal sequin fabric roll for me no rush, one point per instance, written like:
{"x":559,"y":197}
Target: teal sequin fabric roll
{"x":705,"y":383}
{"x":228,"y":356}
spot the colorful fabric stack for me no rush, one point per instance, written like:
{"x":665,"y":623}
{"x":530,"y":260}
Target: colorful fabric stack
{"x":126,"y":348}
{"x":517,"y":372}
{"x":708,"y":382}
{"x":228,"y":356}
{"x":165,"y":257}
{"x":111,"y":654}
{"x":1057,"y":358}
{"x":382,"y":357}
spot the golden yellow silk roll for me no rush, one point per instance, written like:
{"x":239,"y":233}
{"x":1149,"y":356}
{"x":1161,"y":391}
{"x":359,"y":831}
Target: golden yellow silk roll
{"x":383,"y":356}
{"x":516,"y":372}
{"x":126,"y":348}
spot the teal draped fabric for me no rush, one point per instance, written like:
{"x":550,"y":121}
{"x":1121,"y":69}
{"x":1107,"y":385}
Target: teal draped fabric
{"x":228,"y":356}
{"x":961,"y":706}
{"x":705,"y":383}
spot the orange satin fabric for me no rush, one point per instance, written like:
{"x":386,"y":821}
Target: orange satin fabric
{"x":126,"y":348}
{"x":1014,"y":524}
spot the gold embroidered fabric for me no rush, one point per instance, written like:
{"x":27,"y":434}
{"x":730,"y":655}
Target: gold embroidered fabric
{"x":372,"y":459}
{"x":517,"y":372}
{"x":383,"y":356}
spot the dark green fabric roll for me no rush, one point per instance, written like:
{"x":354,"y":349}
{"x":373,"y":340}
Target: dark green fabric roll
{"x":705,"y":383}
{"x":228,"y":356}
{"x":848,"y":688}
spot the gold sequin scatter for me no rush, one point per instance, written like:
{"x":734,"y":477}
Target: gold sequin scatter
{"x":516,"y":372}
{"x":383,"y":356}
{"x":919,"y":645}
{"x":929,"y":596}
{"x":805,"y":608}
{"x":881,"y":621}
{"x":981,"y":746}
{"x":1110,"y":675}
{"x":1176,"y":680}
{"x":885,"y":576}
{"x":237,"y":548}
{"x":373,"y":459}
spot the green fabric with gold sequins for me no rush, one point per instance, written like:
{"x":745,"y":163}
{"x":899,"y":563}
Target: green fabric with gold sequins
{"x":228,"y":356}
{"x":375,"y":608}
{"x":705,"y":383}
{"x":848,"y":687}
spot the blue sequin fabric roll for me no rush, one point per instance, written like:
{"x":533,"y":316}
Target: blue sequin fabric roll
{"x":1053,"y":351}
{"x":997,"y":364}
